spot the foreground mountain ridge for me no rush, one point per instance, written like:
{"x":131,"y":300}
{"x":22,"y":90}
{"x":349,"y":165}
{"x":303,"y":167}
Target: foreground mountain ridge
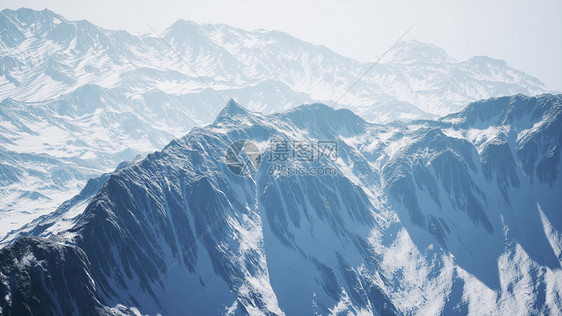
{"x":458,"y":215}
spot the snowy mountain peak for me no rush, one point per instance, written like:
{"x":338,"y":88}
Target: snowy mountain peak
{"x":25,"y":17}
{"x":486,"y":61}
{"x":234,"y":106}
{"x":17,"y":25}
{"x":182,"y":25}
{"x":507,"y":110}
{"x":416,"y":51}
{"x":231,"y":111}
{"x":323,"y":120}
{"x":183,"y":30}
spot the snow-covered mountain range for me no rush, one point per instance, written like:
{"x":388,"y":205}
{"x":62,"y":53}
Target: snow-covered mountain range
{"x":77,"y":99}
{"x":44,"y":56}
{"x":454,"y":216}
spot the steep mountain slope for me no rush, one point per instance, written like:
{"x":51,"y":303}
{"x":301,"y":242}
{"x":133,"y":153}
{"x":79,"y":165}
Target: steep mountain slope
{"x":49,"y":149}
{"x":456,"y":215}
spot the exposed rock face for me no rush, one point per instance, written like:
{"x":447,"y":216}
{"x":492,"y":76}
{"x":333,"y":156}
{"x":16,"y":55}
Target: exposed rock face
{"x":450,"y":216}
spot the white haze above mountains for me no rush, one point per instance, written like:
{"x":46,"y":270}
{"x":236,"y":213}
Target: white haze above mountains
{"x":78,"y":99}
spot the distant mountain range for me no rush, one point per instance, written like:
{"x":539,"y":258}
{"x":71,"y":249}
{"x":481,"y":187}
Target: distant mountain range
{"x":77,"y":99}
{"x":459,"y":215}
{"x":45,"y":56}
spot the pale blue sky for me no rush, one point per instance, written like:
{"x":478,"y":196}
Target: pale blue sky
{"x":527,"y":34}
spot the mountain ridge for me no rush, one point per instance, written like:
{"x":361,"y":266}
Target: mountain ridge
{"x":422,"y":199}
{"x":243,"y":58}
